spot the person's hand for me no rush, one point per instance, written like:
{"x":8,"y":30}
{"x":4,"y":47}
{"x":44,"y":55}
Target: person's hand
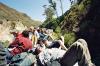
{"x":49,"y":34}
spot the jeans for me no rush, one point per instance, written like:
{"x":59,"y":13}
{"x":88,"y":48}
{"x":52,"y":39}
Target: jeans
{"x":78,"y":52}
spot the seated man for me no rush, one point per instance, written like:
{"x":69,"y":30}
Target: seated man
{"x":40,"y":45}
{"x":78,"y":52}
{"x":28,"y":58}
{"x":22,"y":43}
{"x":55,"y":44}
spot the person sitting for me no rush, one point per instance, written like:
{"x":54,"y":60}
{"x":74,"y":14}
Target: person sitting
{"x":34,"y":38}
{"x":77,"y":52}
{"x":44,"y":35}
{"x":28,"y":58}
{"x":36,"y":33}
{"x":22,"y":43}
{"x":55,"y":44}
{"x":30,"y":32}
{"x":40,"y":45}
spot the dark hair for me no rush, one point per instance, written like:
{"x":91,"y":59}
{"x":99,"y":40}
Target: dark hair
{"x":44,"y":40}
{"x":25,"y":33}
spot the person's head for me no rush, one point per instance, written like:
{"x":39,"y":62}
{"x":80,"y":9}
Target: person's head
{"x":25,"y":33}
{"x":45,"y":41}
{"x":42,"y":30}
{"x":31,"y":29}
{"x":37,"y":51}
{"x":14,"y":32}
{"x":40,"y":41}
{"x":39,"y":30}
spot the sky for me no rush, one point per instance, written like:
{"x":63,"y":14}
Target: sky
{"x":34,"y":8}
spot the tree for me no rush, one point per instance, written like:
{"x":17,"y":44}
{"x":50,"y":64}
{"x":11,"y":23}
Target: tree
{"x":53,"y":5}
{"x":49,"y":12}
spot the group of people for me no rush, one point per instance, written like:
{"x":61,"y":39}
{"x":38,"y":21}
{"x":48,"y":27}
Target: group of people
{"x":35,"y":48}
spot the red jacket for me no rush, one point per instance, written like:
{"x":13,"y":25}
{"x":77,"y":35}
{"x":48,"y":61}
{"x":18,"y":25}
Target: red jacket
{"x":20,"y":44}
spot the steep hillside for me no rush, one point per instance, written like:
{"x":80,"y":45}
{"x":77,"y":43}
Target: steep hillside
{"x":74,"y":16}
{"x":90,"y":28}
{"x":9,"y":14}
{"x":83,"y":19}
{"x":10,"y":19}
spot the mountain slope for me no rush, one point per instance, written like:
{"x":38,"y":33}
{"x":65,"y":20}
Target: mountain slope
{"x":9,"y":14}
{"x":10,"y":19}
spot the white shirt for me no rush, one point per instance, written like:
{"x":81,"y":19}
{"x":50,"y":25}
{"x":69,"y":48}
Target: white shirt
{"x":37,"y":34}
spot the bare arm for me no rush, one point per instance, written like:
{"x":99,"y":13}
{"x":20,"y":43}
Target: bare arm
{"x":62,"y":45}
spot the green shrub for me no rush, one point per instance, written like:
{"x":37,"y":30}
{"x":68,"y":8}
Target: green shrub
{"x":58,"y":29}
{"x":69,"y":38}
{"x":81,"y":7}
{"x":55,"y":35}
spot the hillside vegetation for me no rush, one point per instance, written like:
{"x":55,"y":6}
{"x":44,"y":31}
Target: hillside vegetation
{"x":82,"y":20}
{"x":68,"y":23}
